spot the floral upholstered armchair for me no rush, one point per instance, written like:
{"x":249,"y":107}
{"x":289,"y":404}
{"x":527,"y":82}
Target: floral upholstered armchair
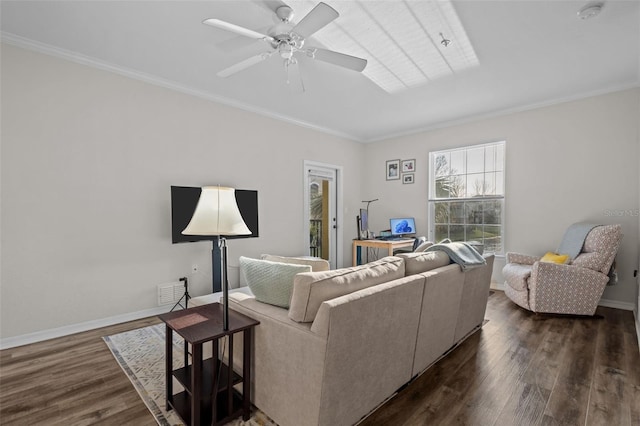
{"x":564,"y":288}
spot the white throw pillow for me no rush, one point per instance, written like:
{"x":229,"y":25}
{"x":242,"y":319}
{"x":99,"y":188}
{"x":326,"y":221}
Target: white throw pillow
{"x":270,"y":282}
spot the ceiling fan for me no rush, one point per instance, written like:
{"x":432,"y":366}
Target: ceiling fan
{"x":288,"y":39}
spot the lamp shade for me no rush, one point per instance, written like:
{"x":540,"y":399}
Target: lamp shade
{"x":217,"y":213}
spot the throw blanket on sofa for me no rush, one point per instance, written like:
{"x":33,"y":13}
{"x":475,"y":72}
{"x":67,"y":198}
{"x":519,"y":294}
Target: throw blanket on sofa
{"x":574,"y":237}
{"x":461,"y":253}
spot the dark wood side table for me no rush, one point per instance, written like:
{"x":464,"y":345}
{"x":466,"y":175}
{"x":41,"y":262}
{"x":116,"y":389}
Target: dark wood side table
{"x":209,"y":397}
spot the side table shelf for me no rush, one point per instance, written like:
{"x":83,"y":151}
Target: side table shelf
{"x":182,"y":401}
{"x":208,"y":380}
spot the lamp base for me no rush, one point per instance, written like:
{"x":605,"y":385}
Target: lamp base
{"x":225,"y":285}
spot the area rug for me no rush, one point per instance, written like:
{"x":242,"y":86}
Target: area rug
{"x":140,"y":354}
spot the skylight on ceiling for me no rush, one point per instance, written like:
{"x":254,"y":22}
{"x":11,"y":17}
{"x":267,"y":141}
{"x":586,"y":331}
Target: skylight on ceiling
{"x":400,"y":39}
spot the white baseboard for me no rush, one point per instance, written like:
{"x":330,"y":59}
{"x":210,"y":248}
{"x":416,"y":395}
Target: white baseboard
{"x":637,"y":317}
{"x":495,"y":285}
{"x":607,"y":303}
{"x":39,"y":336}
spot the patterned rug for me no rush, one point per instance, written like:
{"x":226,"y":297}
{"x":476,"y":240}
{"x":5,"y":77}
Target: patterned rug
{"x":140,"y":354}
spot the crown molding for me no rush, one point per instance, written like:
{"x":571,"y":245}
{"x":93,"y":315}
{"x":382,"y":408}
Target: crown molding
{"x":81,"y":59}
{"x":503,"y":112}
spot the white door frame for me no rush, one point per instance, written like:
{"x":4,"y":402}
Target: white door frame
{"x":339,"y":261}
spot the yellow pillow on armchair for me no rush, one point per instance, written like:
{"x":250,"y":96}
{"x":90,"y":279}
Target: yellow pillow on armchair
{"x":555,"y":258}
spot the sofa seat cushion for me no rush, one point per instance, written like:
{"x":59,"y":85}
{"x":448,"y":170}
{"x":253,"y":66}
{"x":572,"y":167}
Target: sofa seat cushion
{"x":310,"y":289}
{"x":270,"y":282}
{"x":516,"y":275}
{"x":317,"y":264}
{"x":417,"y":263}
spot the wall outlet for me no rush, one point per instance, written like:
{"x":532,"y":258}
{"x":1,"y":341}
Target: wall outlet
{"x":194,"y":268}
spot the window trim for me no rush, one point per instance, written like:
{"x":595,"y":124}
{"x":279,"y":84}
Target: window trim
{"x":432,"y":199}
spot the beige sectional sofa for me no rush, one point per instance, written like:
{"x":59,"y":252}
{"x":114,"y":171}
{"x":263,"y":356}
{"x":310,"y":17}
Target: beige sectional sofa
{"x":353,"y":336}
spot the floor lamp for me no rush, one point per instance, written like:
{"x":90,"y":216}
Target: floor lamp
{"x":217,"y":214}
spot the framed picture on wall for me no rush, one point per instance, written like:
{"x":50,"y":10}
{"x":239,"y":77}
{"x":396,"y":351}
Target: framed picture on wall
{"x":408,"y":166}
{"x":407,"y":178}
{"x":393,"y":169}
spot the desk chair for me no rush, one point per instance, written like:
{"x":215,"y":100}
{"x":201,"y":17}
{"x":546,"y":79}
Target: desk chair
{"x":416,"y":243}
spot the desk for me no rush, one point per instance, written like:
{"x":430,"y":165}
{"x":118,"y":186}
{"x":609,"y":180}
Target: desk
{"x":384,"y":244}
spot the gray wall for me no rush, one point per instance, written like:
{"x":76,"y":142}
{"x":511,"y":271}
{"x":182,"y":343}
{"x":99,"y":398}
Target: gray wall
{"x":88,"y":158}
{"x":565,"y":163}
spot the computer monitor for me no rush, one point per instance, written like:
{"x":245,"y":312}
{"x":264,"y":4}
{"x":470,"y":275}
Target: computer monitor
{"x":402,"y":226}
{"x":364,"y":223}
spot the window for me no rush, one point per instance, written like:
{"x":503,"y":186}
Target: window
{"x":466,"y":195}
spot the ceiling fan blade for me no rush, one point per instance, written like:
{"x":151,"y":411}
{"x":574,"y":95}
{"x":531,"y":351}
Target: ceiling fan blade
{"x":236,"y":29}
{"x":340,"y":59}
{"x":244,"y":64}
{"x":319,"y":16}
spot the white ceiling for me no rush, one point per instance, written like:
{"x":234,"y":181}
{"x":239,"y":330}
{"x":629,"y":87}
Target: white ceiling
{"x":530,"y":52}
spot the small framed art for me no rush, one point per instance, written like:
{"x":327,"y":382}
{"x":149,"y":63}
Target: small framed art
{"x":407,"y":178}
{"x":393,"y":169}
{"x":408,"y":166}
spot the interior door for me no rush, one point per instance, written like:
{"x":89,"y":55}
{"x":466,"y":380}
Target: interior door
{"x":321,"y":218}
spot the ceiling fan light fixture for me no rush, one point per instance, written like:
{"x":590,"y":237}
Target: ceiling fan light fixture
{"x":284,"y":13}
{"x":285,"y":50}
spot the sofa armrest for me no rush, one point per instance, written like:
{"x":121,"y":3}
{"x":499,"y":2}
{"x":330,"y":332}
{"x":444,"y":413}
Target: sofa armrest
{"x":371,"y":340}
{"x":565,"y":289}
{"x":287,"y":363}
{"x":523,"y":259}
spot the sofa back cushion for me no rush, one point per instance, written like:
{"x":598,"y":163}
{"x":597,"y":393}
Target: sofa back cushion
{"x":310,"y":289}
{"x":600,"y":248}
{"x":316,"y":263}
{"x":417,"y":263}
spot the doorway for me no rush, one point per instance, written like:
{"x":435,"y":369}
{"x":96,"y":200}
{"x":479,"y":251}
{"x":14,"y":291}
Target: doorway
{"x":321,"y":201}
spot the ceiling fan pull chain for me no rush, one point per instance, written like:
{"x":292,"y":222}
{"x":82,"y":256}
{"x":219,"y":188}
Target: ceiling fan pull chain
{"x":301,"y":82}
{"x":291,"y":67}
{"x":286,"y":68}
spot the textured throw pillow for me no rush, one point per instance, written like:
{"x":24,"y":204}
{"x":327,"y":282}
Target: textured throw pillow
{"x":555,"y":258}
{"x":270,"y":282}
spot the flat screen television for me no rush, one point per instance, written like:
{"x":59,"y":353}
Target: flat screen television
{"x":402,"y":226}
{"x":183,"y":203}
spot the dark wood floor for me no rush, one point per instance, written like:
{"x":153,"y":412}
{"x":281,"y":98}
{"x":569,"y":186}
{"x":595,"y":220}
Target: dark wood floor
{"x":520,"y":369}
